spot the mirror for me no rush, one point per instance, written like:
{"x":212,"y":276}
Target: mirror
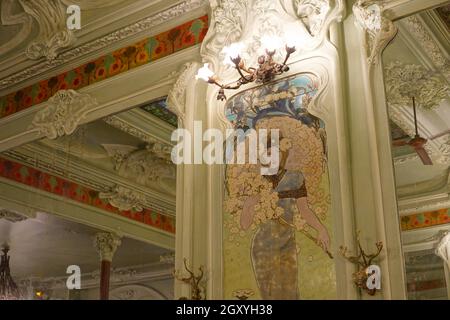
{"x":417,"y":75}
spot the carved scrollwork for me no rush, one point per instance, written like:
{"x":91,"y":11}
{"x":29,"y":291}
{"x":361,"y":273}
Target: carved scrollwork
{"x":150,"y":166}
{"x":379,"y":30}
{"x":10,"y":18}
{"x":249,"y":21}
{"x":414,"y":24}
{"x":63,"y":113}
{"x":72,"y":54}
{"x":124,"y":199}
{"x":315,"y":14}
{"x":176,"y":100}
{"x":404,"y":81}
{"x":53,"y":33}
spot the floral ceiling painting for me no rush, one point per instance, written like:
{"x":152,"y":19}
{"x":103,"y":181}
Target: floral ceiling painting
{"x":277,"y":229}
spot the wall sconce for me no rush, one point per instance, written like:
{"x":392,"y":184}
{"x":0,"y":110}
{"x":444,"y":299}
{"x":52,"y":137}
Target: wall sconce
{"x":265,"y":72}
{"x":365,"y":268}
{"x":197,"y":292}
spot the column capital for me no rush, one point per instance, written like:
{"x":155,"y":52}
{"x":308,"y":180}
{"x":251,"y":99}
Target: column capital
{"x":106,"y":244}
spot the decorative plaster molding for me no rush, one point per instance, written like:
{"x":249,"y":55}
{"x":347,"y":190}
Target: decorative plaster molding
{"x":124,"y":199}
{"x":168,"y":258}
{"x":119,"y":276}
{"x":136,"y":292}
{"x":445,"y":152}
{"x":379,"y":30}
{"x":146,"y":166}
{"x":9,"y":18}
{"x":144,"y":25}
{"x":404,"y":81}
{"x":316,"y":15}
{"x":443,"y":248}
{"x":249,"y":21}
{"x":63,"y":113}
{"x":176,"y":99}
{"x":43,"y":158}
{"x":416,"y":27}
{"x":53,"y":33}
{"x":130,"y":129}
{"x":151,"y":166}
{"x":11,"y":216}
{"x":106,"y":244}
{"x":424,"y":207}
{"x":118,"y":153}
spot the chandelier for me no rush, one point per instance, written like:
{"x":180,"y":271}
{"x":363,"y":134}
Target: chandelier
{"x":8,"y":288}
{"x":266,"y":71}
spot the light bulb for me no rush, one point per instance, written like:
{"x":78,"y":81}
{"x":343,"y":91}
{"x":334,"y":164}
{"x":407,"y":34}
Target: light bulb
{"x":294,"y":36}
{"x":204,"y":73}
{"x":232,"y":51}
{"x":271,"y":43}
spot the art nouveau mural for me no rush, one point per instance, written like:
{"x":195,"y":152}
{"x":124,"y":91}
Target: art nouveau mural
{"x":277,"y":229}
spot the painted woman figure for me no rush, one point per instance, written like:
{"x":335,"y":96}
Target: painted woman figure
{"x":282,"y":204}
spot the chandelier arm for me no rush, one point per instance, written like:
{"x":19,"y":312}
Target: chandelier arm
{"x":288,"y":55}
{"x":243,"y":77}
{"x":236,"y":86}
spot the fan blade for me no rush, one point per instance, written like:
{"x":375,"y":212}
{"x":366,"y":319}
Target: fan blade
{"x":399,"y":143}
{"x":423,"y":155}
{"x":440,"y":135}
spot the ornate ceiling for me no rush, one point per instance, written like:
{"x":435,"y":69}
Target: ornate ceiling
{"x":34,"y":39}
{"x":46,"y":245}
{"x":417,"y":64}
{"x":125,"y":158}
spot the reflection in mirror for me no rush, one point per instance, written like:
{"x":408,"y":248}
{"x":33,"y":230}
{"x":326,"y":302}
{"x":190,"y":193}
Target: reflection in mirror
{"x":417,"y":76}
{"x":112,"y":175}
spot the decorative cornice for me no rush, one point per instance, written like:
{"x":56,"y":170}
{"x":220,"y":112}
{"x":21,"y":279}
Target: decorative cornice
{"x":11,"y":216}
{"x":141,"y":133}
{"x":63,"y":113}
{"x":124,"y":199}
{"x":379,"y":30}
{"x":106,"y":244}
{"x":435,"y":184}
{"x":416,"y":27}
{"x":424,"y":207}
{"x":176,"y":99}
{"x":43,"y":158}
{"x":119,"y":276}
{"x":144,"y":25}
{"x":29,"y":181}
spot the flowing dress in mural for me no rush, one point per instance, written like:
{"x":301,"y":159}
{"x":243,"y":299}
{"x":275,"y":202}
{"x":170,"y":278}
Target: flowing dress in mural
{"x":267,"y":215}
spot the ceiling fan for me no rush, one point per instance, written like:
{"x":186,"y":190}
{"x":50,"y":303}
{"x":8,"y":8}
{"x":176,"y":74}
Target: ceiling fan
{"x":417,"y":142}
